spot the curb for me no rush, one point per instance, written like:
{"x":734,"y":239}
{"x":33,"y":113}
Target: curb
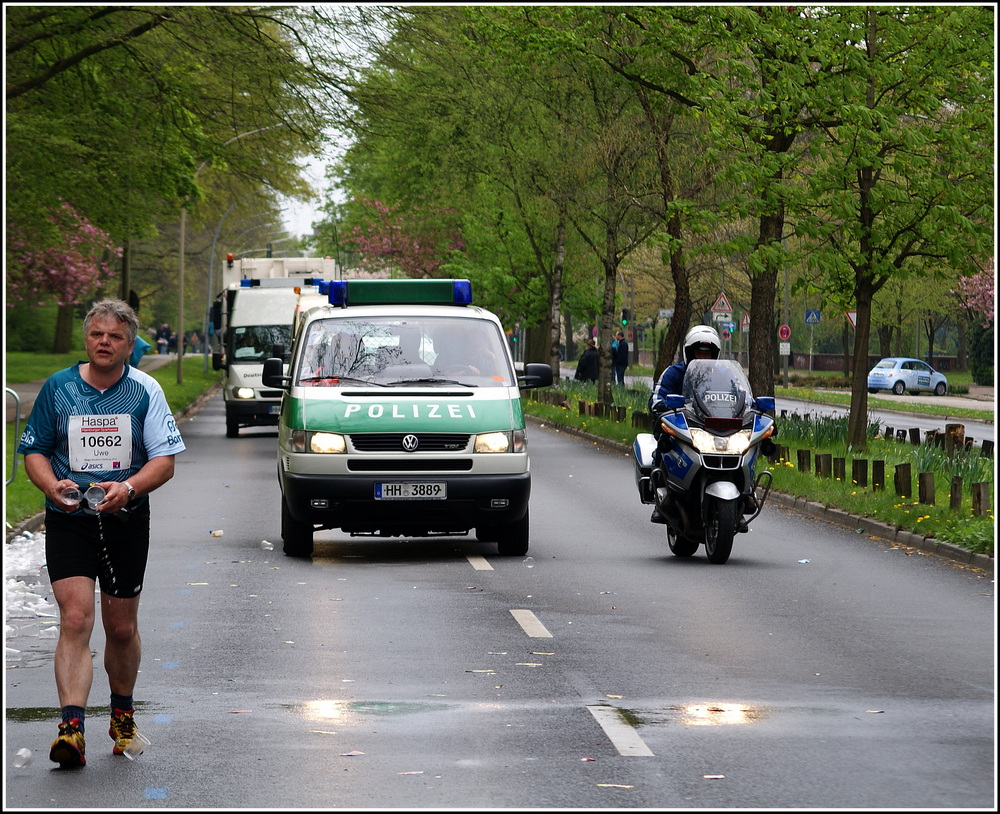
{"x":862,"y":525}
{"x":882,"y":409}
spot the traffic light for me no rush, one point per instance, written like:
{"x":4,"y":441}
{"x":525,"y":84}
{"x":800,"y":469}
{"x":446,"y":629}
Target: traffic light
{"x":626,"y":316}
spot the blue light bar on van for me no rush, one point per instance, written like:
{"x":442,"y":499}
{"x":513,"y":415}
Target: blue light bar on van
{"x":400,"y":292}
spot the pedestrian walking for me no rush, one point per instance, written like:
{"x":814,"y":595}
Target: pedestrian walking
{"x":103,"y":424}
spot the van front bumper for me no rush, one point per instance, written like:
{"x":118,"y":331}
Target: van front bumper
{"x":348,"y":503}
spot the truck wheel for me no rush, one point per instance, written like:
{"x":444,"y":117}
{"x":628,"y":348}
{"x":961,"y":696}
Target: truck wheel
{"x":297,"y":537}
{"x":512,"y":539}
{"x":232,"y":427}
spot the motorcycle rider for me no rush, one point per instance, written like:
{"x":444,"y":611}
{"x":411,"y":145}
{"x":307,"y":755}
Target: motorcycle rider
{"x":701,"y":342}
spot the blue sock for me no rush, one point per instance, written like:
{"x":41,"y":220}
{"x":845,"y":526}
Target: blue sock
{"x":69,"y":713}
{"x":122,"y":702}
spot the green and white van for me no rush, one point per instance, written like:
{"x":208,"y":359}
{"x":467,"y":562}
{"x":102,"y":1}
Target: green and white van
{"x":401,"y":416}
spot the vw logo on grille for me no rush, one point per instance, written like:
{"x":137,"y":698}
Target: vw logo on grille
{"x":410,"y":443}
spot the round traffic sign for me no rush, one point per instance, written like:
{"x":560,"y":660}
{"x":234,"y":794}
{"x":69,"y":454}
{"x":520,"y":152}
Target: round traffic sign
{"x":724,"y":333}
{"x":784,"y":332}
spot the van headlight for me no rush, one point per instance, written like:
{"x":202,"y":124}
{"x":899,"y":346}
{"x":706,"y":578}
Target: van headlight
{"x":243,"y":392}
{"x":501,"y":442}
{"x":322,"y":442}
{"x":707,"y":443}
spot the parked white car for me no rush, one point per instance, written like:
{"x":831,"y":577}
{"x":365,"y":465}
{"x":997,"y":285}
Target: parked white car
{"x":900,"y":374}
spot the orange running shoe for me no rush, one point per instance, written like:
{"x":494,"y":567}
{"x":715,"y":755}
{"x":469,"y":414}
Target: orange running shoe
{"x":69,"y":749}
{"x":122,"y":729}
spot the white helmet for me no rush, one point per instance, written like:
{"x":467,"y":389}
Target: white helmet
{"x":701,"y":336}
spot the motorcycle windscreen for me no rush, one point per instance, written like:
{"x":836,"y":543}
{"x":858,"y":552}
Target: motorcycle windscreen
{"x":716,"y":388}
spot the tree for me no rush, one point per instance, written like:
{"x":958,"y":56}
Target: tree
{"x":978,"y":292}
{"x":902,"y":185}
{"x":115,"y":109}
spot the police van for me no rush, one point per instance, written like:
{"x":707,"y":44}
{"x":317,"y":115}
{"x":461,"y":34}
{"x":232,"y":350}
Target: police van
{"x":401,"y":416}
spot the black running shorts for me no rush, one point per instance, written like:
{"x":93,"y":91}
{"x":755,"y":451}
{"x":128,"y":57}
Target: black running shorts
{"x":102,"y":548}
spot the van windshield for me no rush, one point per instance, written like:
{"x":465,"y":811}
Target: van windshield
{"x":395,"y":350}
{"x":254,"y":343}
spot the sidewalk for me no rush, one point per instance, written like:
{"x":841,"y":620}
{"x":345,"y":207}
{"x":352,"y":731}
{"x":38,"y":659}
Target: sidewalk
{"x":28,"y":391}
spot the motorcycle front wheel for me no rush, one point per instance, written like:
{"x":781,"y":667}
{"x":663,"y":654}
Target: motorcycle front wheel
{"x":720,"y":529}
{"x":680,"y":546}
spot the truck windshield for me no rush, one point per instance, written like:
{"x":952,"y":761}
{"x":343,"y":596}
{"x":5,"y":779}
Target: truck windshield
{"x":254,"y":343}
{"x":391,"y":350}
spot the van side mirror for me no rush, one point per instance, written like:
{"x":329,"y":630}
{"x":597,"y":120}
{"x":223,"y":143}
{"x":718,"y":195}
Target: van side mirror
{"x":536,"y":374}
{"x":217,"y":315}
{"x":217,"y":363}
{"x":274,"y":374}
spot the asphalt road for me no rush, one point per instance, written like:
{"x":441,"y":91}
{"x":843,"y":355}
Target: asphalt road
{"x":817,"y":669}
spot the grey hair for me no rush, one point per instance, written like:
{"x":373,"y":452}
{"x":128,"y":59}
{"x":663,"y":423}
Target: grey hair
{"x":115,"y":309}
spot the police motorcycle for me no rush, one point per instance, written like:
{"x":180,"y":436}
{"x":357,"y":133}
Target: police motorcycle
{"x":698,"y":468}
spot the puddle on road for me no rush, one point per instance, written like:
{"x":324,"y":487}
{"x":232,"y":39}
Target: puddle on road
{"x":27,"y":715}
{"x":714,"y":713}
{"x":345,"y":711}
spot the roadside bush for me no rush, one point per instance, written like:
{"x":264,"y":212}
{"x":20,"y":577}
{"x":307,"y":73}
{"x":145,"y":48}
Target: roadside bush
{"x":982,"y":350}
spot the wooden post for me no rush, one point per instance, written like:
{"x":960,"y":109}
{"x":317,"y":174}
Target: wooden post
{"x":925,"y":488}
{"x":840,"y":469}
{"x":987,"y":450}
{"x":980,"y":499}
{"x":878,"y":476}
{"x":956,"y":493}
{"x":900,"y":435}
{"x":915,"y":436}
{"x":583,"y":407}
{"x":824,"y":464}
{"x":903,"y":480}
{"x":859,"y":471}
{"x":888,"y":433}
{"x":804,"y":456}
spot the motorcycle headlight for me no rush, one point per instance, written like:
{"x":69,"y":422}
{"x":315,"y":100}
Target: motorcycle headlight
{"x":708,"y":443}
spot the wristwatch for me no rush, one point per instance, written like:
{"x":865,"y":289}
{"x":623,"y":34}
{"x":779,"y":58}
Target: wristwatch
{"x":131,"y":491}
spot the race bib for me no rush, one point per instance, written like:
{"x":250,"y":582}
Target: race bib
{"x":100,"y":442}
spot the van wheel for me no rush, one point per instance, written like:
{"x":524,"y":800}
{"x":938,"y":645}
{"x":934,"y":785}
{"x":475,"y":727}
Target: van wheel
{"x":512,"y":539}
{"x":232,"y":427}
{"x":297,"y":537}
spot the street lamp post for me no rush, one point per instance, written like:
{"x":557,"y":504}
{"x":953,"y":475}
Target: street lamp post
{"x":180,"y":283}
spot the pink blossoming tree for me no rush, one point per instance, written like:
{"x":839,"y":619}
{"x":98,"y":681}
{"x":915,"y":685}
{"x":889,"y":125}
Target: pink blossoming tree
{"x":63,"y":266}
{"x":978,"y":291}
{"x":387,"y":240}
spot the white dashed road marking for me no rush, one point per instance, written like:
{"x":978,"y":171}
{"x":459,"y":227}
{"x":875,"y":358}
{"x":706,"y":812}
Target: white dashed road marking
{"x":479,"y":563}
{"x":624,"y":737}
{"x":530,"y":624}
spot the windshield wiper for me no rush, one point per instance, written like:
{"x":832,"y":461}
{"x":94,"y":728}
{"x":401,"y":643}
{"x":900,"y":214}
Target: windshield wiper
{"x":431,"y":380}
{"x":340,"y":379}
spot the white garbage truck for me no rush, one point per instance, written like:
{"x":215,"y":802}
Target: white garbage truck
{"x":253,"y":315}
